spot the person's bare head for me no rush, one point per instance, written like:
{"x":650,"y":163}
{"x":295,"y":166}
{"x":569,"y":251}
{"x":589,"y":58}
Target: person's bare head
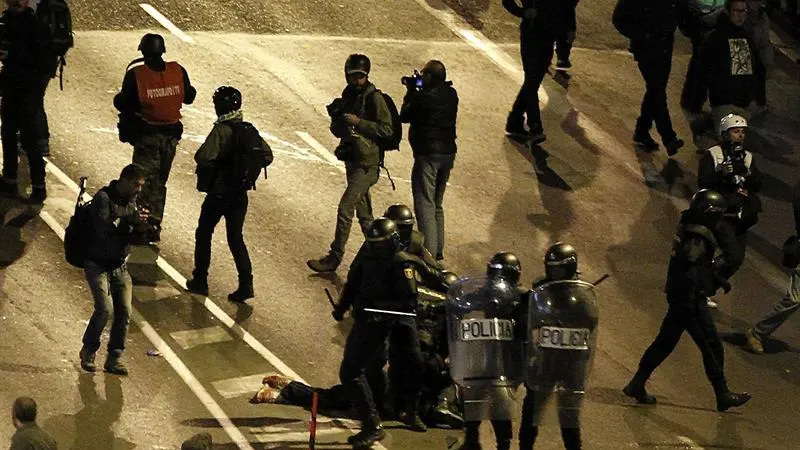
{"x":434,"y":73}
{"x":23,"y":411}
{"x":737,"y":10}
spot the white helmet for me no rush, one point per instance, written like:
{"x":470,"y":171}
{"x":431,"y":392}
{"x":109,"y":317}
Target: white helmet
{"x":731,"y":121}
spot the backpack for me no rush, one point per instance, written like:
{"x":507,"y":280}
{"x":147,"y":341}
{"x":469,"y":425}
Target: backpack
{"x":56,"y":15}
{"x":392,"y":142}
{"x":79,"y":231}
{"x":249,"y":156}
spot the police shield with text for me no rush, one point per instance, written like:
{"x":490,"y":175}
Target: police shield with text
{"x":485,"y":353}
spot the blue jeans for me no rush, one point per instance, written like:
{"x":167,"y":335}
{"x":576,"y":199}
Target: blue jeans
{"x":428,"y":183}
{"x":112,"y":292}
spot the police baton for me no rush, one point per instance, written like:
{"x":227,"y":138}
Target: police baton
{"x":330,"y":298}
{"x":601,"y":279}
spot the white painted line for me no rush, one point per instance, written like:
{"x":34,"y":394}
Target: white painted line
{"x":160,"y":291}
{"x":166,"y":23}
{"x":234,"y":387}
{"x":200,"y":336}
{"x":690,"y":443}
{"x":280,"y":435}
{"x":180,"y":368}
{"x":320,"y":149}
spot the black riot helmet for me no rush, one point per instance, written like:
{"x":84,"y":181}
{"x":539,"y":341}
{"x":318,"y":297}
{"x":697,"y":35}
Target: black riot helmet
{"x":504,"y":265}
{"x":449,"y":278}
{"x":403,"y":218}
{"x":383,"y":240}
{"x":561,"y":262}
{"x":227,"y":99}
{"x":708,"y":206}
{"x":357,"y":63}
{"x":152,"y":45}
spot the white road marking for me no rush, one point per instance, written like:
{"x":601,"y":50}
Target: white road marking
{"x":180,"y":368}
{"x":320,"y":149}
{"x":234,"y":387}
{"x":284,"y":435}
{"x":166,"y":23}
{"x":200,"y":336}
{"x":690,"y":443}
{"x":163,"y":289}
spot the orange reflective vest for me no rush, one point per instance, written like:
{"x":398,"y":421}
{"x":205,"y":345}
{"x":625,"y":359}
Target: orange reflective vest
{"x":160,"y":93}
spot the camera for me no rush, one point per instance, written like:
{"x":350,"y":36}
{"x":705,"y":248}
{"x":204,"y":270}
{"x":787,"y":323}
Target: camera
{"x":336,"y":108}
{"x":413,"y":82}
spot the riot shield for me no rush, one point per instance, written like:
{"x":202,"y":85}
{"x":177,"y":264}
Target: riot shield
{"x":485,"y":349}
{"x":560,"y":347}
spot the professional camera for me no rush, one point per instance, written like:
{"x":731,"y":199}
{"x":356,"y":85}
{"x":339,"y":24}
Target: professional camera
{"x":336,"y":108}
{"x":412,"y":82}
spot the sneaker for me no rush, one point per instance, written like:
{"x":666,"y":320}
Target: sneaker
{"x":516,"y":130}
{"x":115,"y":367}
{"x":241,"y":294}
{"x":673,"y":146}
{"x":711,"y":303}
{"x":327,"y":263}
{"x":197,"y":286}
{"x":276,"y":381}
{"x":87,"y":361}
{"x":753,"y":343}
{"x":563,"y":64}
{"x":537,"y":137}
{"x":645,"y":142}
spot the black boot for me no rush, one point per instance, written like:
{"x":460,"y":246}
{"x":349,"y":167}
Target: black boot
{"x":472,"y":439}
{"x":727,"y":399}
{"x":197,"y":285}
{"x":635,"y":389}
{"x":515,"y":128}
{"x":371,"y":432}
{"x":38,"y":195}
{"x":87,"y":360}
{"x":412,"y":420}
{"x":245,"y":290}
{"x":114,"y":366}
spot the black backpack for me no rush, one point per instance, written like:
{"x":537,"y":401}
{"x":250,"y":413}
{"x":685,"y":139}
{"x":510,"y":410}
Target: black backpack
{"x":249,"y":155}
{"x":56,"y":15}
{"x":392,"y":142}
{"x":79,"y":231}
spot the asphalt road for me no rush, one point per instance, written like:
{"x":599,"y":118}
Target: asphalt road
{"x":587,"y":186}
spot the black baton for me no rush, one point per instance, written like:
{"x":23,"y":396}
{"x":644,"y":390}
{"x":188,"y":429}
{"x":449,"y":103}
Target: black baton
{"x":601,"y":279}
{"x":330,"y":298}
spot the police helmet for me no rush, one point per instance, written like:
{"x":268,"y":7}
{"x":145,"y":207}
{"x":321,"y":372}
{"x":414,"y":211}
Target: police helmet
{"x":400,"y":214}
{"x":449,"y":278}
{"x":561,"y":262}
{"x":152,"y":45}
{"x":227,"y":99}
{"x":357,"y":63}
{"x":731,"y":121}
{"x":709,"y":204}
{"x":382,"y":237}
{"x":504,"y":265}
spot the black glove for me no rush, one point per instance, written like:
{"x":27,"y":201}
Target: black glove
{"x":724,"y":284}
{"x":726,"y":168}
{"x":338,"y":314}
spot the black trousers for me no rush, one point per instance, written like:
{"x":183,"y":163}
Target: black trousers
{"x":233,"y":207}
{"x":563,"y":48}
{"x":655,"y":70}
{"x":502,"y":433}
{"x":366,"y":344}
{"x":537,"y":53}
{"x":732,"y":241}
{"x":697,"y":321}
{"x":529,"y":431}
{"x":22,"y":112}
{"x":691,"y":84}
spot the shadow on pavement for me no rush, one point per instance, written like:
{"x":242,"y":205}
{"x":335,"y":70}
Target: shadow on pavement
{"x":771,"y":346}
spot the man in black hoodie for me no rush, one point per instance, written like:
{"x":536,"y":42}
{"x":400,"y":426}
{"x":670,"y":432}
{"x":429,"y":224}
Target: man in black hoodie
{"x":650,"y":25}
{"x":117,"y":223}
{"x":543,"y":23}
{"x":692,"y":277}
{"x":728,"y":66}
{"x":28,"y":65}
{"x":150,"y":118}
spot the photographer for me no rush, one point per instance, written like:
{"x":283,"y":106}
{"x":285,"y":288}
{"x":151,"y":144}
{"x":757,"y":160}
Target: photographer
{"x":359,"y":118}
{"x":729,"y":169}
{"x":431,"y":107}
{"x":117,"y":223}
{"x":28,"y":65}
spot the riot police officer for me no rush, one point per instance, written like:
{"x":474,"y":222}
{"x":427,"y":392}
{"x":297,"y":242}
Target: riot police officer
{"x":729,"y":169}
{"x":563,"y":316}
{"x":481,"y":315}
{"x":691,"y":277}
{"x":411,"y":240}
{"x":381,"y":288}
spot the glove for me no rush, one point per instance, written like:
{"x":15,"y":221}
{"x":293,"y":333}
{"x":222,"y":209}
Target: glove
{"x":726,"y":168}
{"x":337,"y":314}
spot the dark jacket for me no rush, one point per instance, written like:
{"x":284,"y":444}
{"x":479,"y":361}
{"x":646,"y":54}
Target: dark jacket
{"x":127,"y":100}
{"x":691,"y":276}
{"x":432,"y":113}
{"x":29,"y":59}
{"x":116,"y":226}
{"x":31,"y":437}
{"x":728,"y":67}
{"x":376,"y":122}
{"x":553,"y":18}
{"x":650,"y":25}
{"x":386,"y":283}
